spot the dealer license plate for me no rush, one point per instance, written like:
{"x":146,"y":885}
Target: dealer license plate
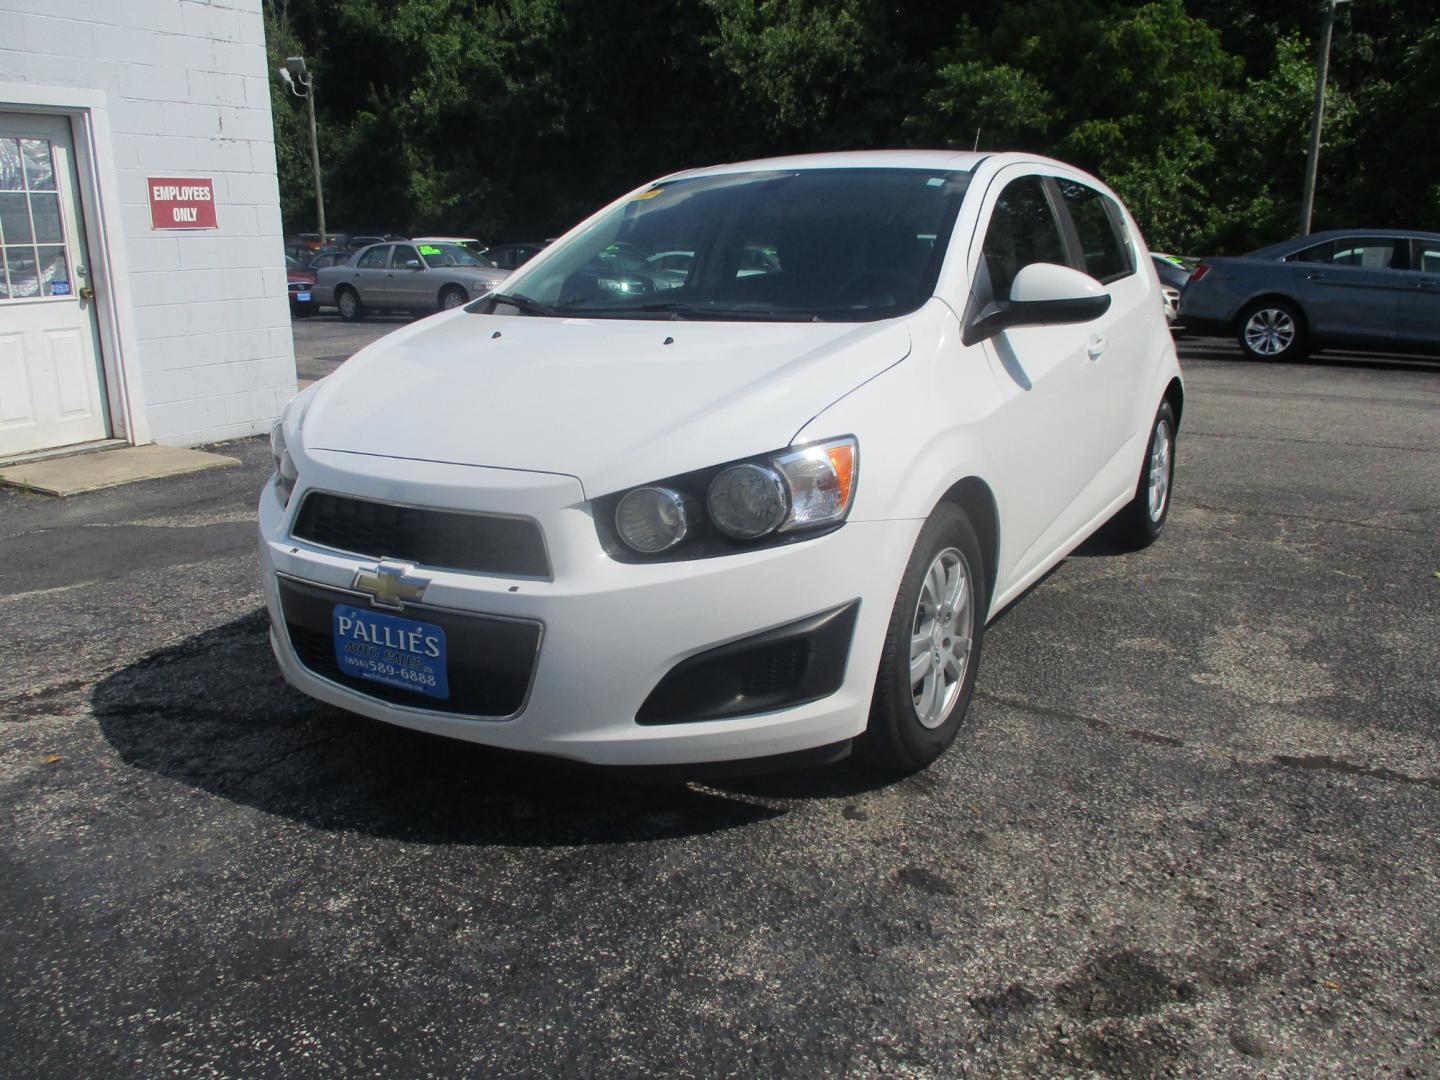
{"x":302,"y":297}
{"x":402,"y":653}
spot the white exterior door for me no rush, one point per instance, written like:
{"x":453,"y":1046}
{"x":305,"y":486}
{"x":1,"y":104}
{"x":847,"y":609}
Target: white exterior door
{"x":50,"y":371}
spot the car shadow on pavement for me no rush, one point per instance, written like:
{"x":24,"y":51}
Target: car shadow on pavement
{"x":213,"y":712}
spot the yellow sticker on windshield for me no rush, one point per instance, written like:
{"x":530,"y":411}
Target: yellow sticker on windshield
{"x":429,"y":249}
{"x":648,"y":194}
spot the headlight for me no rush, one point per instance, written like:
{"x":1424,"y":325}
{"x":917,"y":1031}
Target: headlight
{"x":747,"y":501}
{"x":651,"y":519}
{"x":285,"y":472}
{"x":821,"y":480}
{"x":776,"y":498}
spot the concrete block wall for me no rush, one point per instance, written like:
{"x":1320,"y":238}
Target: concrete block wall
{"x":188,"y":95}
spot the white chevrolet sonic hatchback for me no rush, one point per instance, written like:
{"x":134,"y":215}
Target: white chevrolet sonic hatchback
{"x":739,"y":468}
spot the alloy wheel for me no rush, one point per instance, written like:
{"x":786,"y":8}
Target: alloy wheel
{"x":1162,"y":446}
{"x":941,"y":634}
{"x":1270,"y":331}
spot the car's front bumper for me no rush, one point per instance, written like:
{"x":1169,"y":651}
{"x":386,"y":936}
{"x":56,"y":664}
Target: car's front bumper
{"x":610,"y":631}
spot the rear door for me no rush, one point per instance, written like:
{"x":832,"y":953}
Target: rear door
{"x":1354,"y":294}
{"x":372,"y":269}
{"x":1420,"y":305}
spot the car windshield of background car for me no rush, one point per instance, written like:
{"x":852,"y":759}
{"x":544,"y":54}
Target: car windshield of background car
{"x":842,"y":245}
{"x":437,"y":255}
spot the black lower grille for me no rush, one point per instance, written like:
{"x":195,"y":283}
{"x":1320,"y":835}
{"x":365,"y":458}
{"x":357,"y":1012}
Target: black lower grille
{"x":790,"y":665}
{"x":449,"y":539}
{"x":490,"y":661}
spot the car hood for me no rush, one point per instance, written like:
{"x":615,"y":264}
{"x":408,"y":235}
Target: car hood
{"x":613,"y":402}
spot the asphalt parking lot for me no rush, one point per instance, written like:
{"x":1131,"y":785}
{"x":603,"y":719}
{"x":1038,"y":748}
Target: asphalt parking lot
{"x":1190,"y":828}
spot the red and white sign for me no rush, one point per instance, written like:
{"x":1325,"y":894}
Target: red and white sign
{"x":179,"y":203}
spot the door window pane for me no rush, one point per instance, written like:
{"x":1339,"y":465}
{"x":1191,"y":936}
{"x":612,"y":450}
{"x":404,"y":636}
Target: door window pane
{"x":1107,"y":257}
{"x":39,"y":167}
{"x":11,"y":177}
{"x":1427,"y":256}
{"x":403,"y":254}
{"x":1370,"y":253}
{"x":1319,"y":253}
{"x":54,"y":272}
{"x":1022,"y":231}
{"x":20,"y":263}
{"x":14,"y":219}
{"x":45,"y":213}
{"x":375,"y":258}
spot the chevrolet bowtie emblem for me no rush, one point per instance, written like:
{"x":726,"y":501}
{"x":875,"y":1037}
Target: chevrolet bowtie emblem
{"x":390,"y":584}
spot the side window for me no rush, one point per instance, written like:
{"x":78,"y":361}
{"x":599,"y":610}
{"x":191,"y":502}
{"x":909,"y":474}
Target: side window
{"x":375,"y":258}
{"x":1425,"y":256}
{"x":1319,"y":253}
{"x":1100,"y":226}
{"x":404,"y":253}
{"x":1022,"y":231}
{"x":1368,"y":252}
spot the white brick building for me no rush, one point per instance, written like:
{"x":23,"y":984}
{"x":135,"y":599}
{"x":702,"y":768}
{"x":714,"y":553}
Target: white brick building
{"x":118,"y":318}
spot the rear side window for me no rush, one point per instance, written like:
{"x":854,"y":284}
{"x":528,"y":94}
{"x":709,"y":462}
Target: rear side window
{"x":1369,"y":252}
{"x":1022,"y":230}
{"x":375,"y":258}
{"x":1425,"y":256}
{"x":1320,"y":253}
{"x":1104,"y":244}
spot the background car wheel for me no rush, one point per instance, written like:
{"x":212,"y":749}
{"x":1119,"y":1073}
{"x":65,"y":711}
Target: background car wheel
{"x":452,"y":296}
{"x":1143,"y":519}
{"x":1272,"y":330}
{"x":932,"y":648}
{"x":348,"y":301}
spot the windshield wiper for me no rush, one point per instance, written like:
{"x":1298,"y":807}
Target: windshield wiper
{"x":520,"y":303}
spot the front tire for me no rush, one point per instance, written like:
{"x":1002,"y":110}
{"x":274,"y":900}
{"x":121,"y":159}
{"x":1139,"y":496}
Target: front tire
{"x":347,"y":301}
{"x":932,"y":648}
{"x":1271,"y":330}
{"x":452,"y":297}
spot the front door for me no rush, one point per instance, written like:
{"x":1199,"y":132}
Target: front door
{"x":51,"y":391}
{"x":1050,"y":437}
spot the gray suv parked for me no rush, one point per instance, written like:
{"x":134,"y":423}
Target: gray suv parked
{"x":1377,"y":288}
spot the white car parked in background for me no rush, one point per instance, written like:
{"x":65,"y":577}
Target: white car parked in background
{"x":746,"y":514}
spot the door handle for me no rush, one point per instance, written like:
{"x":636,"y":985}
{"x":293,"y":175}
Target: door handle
{"x":1427,"y":284}
{"x":87,"y":293}
{"x":1096,"y":347}
{"x":1313,"y":276}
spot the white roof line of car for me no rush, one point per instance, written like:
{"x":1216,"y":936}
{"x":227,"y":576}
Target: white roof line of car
{"x":862,"y":159}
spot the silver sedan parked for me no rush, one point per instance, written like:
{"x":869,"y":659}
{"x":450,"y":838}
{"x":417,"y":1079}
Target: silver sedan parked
{"x":416,"y":277}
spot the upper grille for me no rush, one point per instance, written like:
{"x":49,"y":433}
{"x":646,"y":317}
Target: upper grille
{"x":445,"y":539}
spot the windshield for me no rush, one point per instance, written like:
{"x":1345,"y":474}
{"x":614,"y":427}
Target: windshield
{"x":451,"y":255}
{"x":842,"y":245}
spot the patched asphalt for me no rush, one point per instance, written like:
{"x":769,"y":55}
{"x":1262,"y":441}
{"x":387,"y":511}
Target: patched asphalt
{"x":1190,"y":828}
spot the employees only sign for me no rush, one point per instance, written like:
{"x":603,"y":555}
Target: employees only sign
{"x":177,"y":203}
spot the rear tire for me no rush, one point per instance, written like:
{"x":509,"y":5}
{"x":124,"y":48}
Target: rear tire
{"x":347,"y":300}
{"x":932,"y":648}
{"x":1271,"y":330}
{"x":1141,"y":522}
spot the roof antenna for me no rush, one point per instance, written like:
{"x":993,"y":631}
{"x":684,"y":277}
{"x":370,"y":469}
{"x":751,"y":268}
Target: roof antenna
{"x":976,"y":148}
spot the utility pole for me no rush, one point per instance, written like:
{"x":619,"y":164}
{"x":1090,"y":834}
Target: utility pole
{"x":1317,"y":118}
{"x":302,"y":84}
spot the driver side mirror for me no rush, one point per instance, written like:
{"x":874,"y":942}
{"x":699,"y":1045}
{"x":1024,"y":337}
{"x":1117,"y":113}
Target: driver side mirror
{"x":413,"y":264}
{"x":1042,"y":294}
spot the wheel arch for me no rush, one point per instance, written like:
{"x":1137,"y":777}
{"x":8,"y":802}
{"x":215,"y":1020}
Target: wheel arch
{"x":440,"y":292}
{"x":977,"y":502}
{"x":1175,"y":395}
